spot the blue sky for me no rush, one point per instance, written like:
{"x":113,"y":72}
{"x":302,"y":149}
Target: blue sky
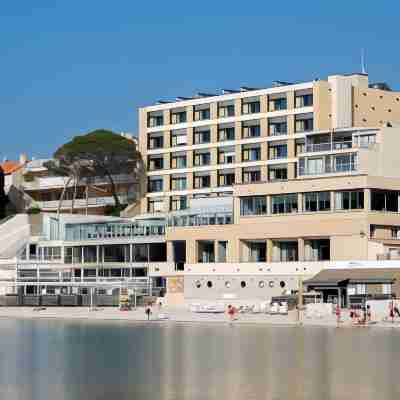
{"x":68,"y":67}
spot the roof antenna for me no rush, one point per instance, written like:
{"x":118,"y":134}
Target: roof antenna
{"x":363,"y":69}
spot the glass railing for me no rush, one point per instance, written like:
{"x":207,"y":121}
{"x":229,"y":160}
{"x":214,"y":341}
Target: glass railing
{"x":221,"y":218}
{"x":330,"y":146}
{"x":328,"y":169}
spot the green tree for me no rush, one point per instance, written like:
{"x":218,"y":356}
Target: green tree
{"x":101,"y":153}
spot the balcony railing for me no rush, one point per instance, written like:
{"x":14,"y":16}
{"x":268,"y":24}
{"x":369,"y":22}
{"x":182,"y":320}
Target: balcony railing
{"x":81,"y":203}
{"x":51,"y":182}
{"x":330,"y":146}
{"x":328,"y":169}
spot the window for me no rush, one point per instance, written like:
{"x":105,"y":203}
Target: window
{"x":365,"y":141}
{"x":156,"y":142}
{"x":203,"y":136}
{"x":277,"y":104}
{"x":251,"y":154}
{"x":155,"y":185}
{"x":222,"y":247}
{"x":261,"y":284}
{"x":226,"y":178}
{"x":178,"y":161}
{"x":361,"y":288}
{"x":201,"y":114}
{"x":277,"y":173}
{"x":202,"y":159}
{"x":178,"y":183}
{"x":252,"y":175}
{"x":317,"y":201}
{"x":155,"y":205}
{"x":251,"y":131}
{"x":251,"y":107}
{"x":277,"y":151}
{"x":50,"y":253}
{"x":253,"y":205}
{"x":225,"y":134}
{"x":178,"y":203}
{"x":178,"y":138}
{"x":305,"y":100}
{"x":387,"y":288}
{"x":304,"y":123}
{"x":394,"y":232}
{"x":277,"y":126}
{"x":226,"y":155}
{"x":349,"y":200}
{"x":202,"y":181}
{"x":155,"y":119}
{"x":155,"y":163}
{"x":385,"y":200}
{"x":257,"y":251}
{"x":288,"y":251}
{"x":205,"y":251}
{"x":286,"y":203}
{"x":227,"y":110}
{"x":243,"y":284}
{"x":178,"y":117}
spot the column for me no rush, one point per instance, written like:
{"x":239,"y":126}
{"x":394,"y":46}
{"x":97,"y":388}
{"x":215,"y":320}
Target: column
{"x":300,"y":202}
{"x":367,"y":200}
{"x":270,"y":250}
{"x":170,"y":251}
{"x":238,"y":130}
{"x":291,"y":170}
{"x":214,"y":110}
{"x":300,"y":250}
{"x":332,"y":197}
{"x":167,"y":117}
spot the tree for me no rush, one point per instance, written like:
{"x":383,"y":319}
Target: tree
{"x":101,"y":153}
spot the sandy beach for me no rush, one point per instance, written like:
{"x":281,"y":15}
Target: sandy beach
{"x":175,"y":315}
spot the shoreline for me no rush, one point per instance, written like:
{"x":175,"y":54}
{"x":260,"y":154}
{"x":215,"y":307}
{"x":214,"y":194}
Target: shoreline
{"x":177,"y":316}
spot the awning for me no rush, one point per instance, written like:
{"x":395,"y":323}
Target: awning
{"x":344,"y":276}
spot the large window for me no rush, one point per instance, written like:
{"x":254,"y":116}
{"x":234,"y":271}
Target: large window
{"x":277,"y":151}
{"x":317,"y":201}
{"x":178,"y":117}
{"x":286,"y":203}
{"x":277,"y":173}
{"x":202,"y":136}
{"x":155,"y":185}
{"x":155,"y":205}
{"x":201,"y":113}
{"x":251,"y":154}
{"x":155,"y":119}
{"x":288,"y":251}
{"x":225,"y":134}
{"x":178,"y":161}
{"x":251,"y":175}
{"x":178,"y":183}
{"x":251,"y":107}
{"x":305,"y":100}
{"x":349,"y":200}
{"x":202,"y":158}
{"x":226,"y":110}
{"x":277,"y":104}
{"x":251,"y":131}
{"x":205,"y":251}
{"x":178,"y":203}
{"x":253,"y":205}
{"x":178,"y":138}
{"x":385,"y":200}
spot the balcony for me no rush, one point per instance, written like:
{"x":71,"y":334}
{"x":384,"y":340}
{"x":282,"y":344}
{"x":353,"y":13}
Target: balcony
{"x":329,"y":169}
{"x":329,"y":146}
{"x":82,"y":203}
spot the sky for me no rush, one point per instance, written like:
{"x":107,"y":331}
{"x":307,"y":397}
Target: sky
{"x":69,"y":67}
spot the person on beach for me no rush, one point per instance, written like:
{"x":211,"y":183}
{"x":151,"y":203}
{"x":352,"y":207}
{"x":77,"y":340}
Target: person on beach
{"x":338,"y":312}
{"x":369,"y":313}
{"x":148,"y":313}
{"x":231,"y":312}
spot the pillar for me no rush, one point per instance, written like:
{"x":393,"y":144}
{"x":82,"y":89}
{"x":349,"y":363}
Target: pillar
{"x":270,"y":250}
{"x":300,"y":249}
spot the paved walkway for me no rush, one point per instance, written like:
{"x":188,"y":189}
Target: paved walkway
{"x":174,"y":315}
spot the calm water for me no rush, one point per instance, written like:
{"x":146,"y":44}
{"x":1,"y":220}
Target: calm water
{"x":57,"y":360}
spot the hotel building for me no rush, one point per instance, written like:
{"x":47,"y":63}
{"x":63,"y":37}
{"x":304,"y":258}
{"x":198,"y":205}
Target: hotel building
{"x":255,"y":190}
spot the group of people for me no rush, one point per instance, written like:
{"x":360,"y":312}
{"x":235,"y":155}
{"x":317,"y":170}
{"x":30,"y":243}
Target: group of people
{"x":361,"y":318}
